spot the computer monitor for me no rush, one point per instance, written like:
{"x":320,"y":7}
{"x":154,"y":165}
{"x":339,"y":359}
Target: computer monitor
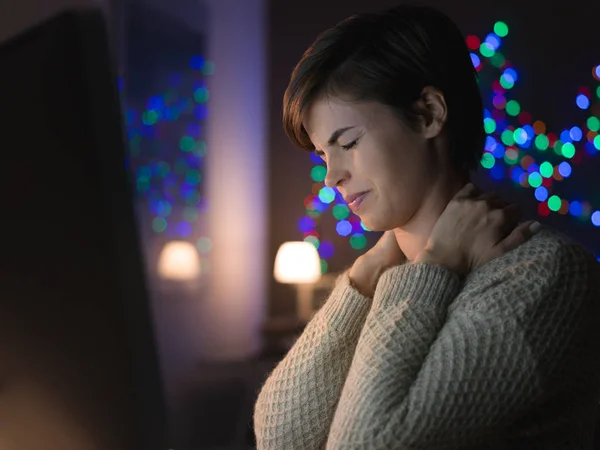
{"x":78,"y":363}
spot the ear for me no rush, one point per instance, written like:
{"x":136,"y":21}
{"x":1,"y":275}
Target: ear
{"x":435,"y":112}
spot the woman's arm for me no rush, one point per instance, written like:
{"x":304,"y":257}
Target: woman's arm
{"x":295,"y":406}
{"x":420,"y":380}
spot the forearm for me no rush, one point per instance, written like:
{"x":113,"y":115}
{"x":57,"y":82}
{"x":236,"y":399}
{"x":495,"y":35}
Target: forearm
{"x":408,"y":312}
{"x":296,"y":405}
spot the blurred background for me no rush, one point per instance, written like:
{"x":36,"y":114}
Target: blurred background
{"x":219,"y":189}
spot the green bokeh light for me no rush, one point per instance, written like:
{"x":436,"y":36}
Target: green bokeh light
{"x":341,"y":212}
{"x":546,"y":169}
{"x":486,"y":50}
{"x":313,"y":240}
{"x":554,"y":203}
{"x":535,"y":180}
{"x":150,"y":117}
{"x":324,"y":266}
{"x":501,"y":29}
{"x":326,"y":195}
{"x":318,"y":173}
{"x":497,"y":60}
{"x":518,"y":136}
{"x":358,"y":241}
{"x":200,"y":148}
{"x":593,"y":123}
{"x":511,"y":157}
{"x":143,"y":184}
{"x":568,"y":150}
{"x":487,"y":160}
{"x":541,"y":142}
{"x":513,"y":108}
{"x":159,"y":224}
{"x":506,"y":84}
{"x":507,"y":137}
{"x":558,"y":147}
{"x":489,"y":125}
{"x":186,"y":143}
{"x":201,"y":95}
{"x":193,"y":177}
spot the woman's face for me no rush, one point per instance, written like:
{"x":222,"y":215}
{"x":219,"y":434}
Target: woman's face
{"x":368,"y":149}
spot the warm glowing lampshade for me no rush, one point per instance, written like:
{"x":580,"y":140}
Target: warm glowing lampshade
{"x":179,"y":260}
{"x":297,"y":262}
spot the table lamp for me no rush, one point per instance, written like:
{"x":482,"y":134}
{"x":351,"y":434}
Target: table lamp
{"x":179,"y":260}
{"x":298,"y":263}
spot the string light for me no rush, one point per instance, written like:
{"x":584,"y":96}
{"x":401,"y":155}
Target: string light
{"x":516,"y":147}
{"x":166,"y":150}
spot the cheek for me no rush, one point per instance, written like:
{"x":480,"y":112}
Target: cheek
{"x":380,"y":169}
{"x":372,"y":163}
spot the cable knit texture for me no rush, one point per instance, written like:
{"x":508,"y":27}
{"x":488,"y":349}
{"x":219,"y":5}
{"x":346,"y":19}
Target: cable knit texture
{"x":507,"y":358}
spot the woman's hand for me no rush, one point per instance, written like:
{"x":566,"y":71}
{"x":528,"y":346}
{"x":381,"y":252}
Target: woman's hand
{"x":367,"y":268}
{"x":474,"y":230}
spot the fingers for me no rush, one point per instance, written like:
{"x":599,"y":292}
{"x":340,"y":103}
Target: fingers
{"x":468,"y":191}
{"x":521,"y":234}
{"x":510,"y":215}
{"x":513,"y":213}
{"x":506,"y":214}
{"x":493,"y":200}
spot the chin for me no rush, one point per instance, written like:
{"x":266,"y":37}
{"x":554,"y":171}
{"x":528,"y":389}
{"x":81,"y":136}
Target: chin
{"x":376,"y":225}
{"x":384,"y":220}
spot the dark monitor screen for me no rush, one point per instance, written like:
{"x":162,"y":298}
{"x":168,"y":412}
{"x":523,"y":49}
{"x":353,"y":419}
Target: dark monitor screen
{"x":78,"y":366}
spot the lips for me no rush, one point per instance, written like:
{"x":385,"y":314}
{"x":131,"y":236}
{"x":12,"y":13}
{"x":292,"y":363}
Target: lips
{"x":350,"y":198}
{"x":355,"y":200}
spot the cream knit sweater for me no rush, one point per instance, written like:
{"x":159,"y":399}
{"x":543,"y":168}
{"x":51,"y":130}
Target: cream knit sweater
{"x":507,"y":358}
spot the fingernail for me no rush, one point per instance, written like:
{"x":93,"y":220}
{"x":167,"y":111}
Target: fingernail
{"x":535,"y":227}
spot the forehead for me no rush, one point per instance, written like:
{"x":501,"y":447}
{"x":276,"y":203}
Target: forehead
{"x":325,"y":115}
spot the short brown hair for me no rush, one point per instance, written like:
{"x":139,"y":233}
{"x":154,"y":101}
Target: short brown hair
{"x":390,"y":57}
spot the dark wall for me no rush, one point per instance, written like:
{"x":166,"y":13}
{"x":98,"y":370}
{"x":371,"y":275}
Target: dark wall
{"x":553,"y":46}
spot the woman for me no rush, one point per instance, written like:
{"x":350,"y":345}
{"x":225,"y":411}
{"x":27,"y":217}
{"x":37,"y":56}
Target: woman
{"x":461,"y":328}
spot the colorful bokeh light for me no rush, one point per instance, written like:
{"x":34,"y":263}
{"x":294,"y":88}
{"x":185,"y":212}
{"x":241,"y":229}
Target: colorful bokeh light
{"x":518,"y":146}
{"x":166,"y":150}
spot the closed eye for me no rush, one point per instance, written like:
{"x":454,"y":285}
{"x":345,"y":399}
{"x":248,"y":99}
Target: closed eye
{"x":348,"y":146}
{"x":351,"y":145}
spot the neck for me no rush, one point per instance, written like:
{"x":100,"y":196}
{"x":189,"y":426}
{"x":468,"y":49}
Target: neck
{"x":413,"y":236}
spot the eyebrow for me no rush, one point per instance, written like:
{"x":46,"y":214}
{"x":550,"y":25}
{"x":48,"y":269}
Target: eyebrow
{"x":336,"y":135}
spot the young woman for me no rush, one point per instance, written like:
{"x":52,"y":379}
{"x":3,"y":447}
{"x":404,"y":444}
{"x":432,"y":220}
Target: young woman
{"x":462,"y":328}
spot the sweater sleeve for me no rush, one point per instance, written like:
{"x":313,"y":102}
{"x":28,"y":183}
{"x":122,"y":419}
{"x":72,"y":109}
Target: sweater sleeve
{"x":422,"y":380}
{"x":296,"y":404}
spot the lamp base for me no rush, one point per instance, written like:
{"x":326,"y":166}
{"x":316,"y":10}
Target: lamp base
{"x":304,"y":305}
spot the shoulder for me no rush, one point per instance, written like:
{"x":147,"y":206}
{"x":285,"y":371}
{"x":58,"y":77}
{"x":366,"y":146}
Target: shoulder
{"x":550,"y":264}
{"x":547,"y":254}
{"x":556,"y":253}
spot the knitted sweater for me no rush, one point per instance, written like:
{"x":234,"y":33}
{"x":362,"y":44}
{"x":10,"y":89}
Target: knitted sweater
{"x":506,"y":358}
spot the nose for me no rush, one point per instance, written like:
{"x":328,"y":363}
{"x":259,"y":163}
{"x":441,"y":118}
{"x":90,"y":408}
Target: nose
{"x":337,"y":174}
